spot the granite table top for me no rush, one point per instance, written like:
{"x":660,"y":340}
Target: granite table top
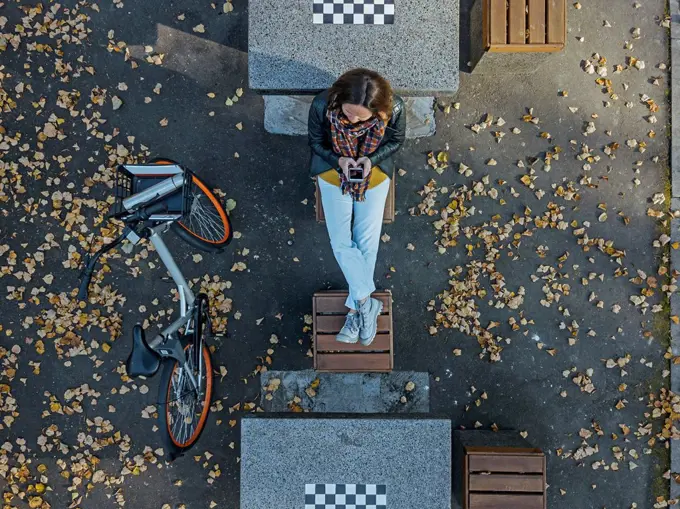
{"x":288,"y":53}
{"x":291,"y":463}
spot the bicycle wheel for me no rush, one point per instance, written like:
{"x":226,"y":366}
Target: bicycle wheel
{"x":205,"y":225}
{"x":185,"y":409}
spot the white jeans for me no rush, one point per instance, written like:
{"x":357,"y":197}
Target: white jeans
{"x":355,"y":248}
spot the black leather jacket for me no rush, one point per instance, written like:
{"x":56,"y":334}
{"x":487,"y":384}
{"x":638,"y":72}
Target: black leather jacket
{"x":323,"y":156}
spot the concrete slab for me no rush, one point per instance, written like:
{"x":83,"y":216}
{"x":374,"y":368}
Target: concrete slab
{"x":675,"y":381}
{"x":287,"y":114}
{"x":675,"y":329}
{"x":346,"y":392}
{"x":674,"y":6}
{"x":418,"y":53}
{"x":410,"y":457}
{"x":675,"y":487}
{"x":674,"y":10}
{"x":675,"y":113}
{"x":675,"y":297}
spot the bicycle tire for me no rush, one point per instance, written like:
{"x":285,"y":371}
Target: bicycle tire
{"x":187,"y":230}
{"x":176,"y":446}
{"x":184,"y":228}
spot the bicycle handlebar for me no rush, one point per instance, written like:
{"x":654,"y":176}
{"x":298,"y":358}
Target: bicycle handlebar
{"x":143,"y":214}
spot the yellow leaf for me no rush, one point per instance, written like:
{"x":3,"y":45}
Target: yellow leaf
{"x":106,"y":347}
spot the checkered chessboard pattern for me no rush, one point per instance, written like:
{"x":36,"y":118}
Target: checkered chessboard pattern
{"x":345,"y":496}
{"x":354,"y":12}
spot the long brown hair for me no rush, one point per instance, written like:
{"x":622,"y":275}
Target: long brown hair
{"x":365,"y":88}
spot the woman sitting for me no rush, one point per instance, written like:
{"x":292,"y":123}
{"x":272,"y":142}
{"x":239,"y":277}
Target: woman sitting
{"x":355,"y":128}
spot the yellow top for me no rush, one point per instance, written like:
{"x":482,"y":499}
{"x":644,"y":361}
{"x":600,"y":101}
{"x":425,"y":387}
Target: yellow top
{"x":333,"y":177}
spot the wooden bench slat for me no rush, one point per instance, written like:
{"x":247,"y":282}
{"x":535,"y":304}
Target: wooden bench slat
{"x":330,"y":303}
{"x":536,"y":21}
{"x":333,"y":323}
{"x":498,"y":22}
{"x":327,"y":343}
{"x":513,"y":48}
{"x":506,"y":463}
{"x":557,"y":15}
{"x":505,"y":501}
{"x":496,"y":449}
{"x":517,"y":21}
{"x":507,"y":482}
{"x":353,"y":362}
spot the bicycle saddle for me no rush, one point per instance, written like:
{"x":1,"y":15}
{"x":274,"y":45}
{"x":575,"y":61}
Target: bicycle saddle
{"x":142,"y":361}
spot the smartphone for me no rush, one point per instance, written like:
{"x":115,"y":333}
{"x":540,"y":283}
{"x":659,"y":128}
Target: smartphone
{"x":356,"y":174}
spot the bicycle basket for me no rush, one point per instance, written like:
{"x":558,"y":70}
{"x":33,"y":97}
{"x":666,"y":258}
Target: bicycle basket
{"x":132,"y":179}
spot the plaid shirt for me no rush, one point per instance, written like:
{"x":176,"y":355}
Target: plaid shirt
{"x":355,"y":141}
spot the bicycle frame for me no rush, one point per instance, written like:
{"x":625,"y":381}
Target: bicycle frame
{"x":146,"y":207}
{"x":167,"y":343}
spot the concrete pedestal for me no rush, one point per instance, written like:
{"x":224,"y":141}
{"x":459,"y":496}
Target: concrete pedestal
{"x":370,"y":393}
{"x":287,"y":114}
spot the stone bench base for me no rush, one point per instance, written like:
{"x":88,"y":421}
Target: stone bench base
{"x":287,"y":114}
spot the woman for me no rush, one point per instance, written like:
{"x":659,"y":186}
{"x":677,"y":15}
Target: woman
{"x":358,"y":122}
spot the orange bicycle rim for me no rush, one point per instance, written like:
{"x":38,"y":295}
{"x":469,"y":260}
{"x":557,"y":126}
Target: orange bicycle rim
{"x":206,"y":408}
{"x":216,"y":203}
{"x":218,"y":207}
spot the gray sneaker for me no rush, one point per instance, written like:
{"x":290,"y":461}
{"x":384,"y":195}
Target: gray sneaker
{"x":369,"y":311}
{"x":350,"y":331}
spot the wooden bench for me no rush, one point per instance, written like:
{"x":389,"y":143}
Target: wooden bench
{"x":329,"y":311}
{"x":388,"y":215}
{"x":498,"y":476}
{"x":516,"y":26}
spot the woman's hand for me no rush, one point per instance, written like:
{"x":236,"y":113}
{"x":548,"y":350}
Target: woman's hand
{"x":366,"y":163}
{"x":345,"y":163}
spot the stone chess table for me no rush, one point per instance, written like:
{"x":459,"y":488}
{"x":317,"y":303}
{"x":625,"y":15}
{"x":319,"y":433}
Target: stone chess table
{"x":363,"y":463}
{"x":289,"y":52}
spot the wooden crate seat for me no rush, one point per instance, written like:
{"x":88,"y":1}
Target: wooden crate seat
{"x":329,"y":313}
{"x":503,"y":478}
{"x":524,"y":25}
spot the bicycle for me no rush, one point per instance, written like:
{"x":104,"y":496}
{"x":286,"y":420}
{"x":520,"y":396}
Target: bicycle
{"x":151,"y":199}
